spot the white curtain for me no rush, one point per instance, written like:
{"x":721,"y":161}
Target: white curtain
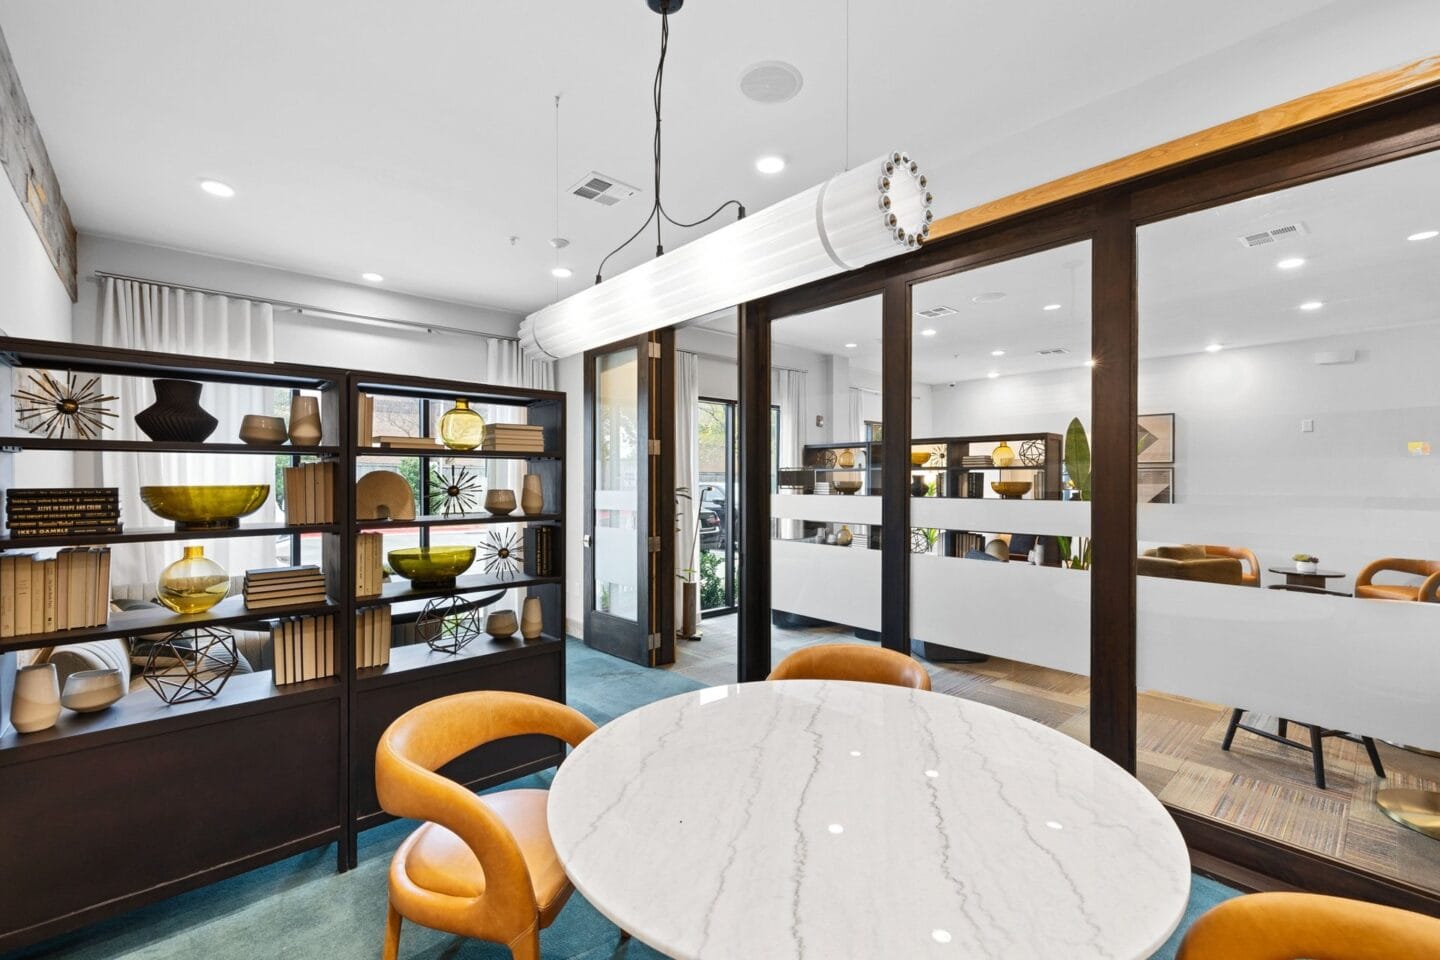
{"x":687,"y":477}
{"x":145,"y":316}
{"x":787,"y":390}
{"x":855,"y":427}
{"x":507,"y":366}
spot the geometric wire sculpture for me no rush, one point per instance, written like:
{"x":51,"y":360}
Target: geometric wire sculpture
{"x":448,"y":624}
{"x":502,"y":553}
{"x":1031,"y":453}
{"x":191,"y":664}
{"x":457,"y":493}
{"x":52,"y":408}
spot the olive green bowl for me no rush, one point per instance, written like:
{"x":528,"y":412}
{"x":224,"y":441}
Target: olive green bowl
{"x":432,"y":566}
{"x":205,"y":507}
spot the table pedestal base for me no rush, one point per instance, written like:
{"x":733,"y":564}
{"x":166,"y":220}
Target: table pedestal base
{"x":1417,"y":809}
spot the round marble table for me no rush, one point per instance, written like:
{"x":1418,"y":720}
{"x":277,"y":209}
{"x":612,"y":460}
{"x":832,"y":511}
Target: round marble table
{"x":825,"y":819}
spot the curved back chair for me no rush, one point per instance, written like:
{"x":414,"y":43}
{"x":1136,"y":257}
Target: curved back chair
{"x":1250,"y":564}
{"x":852,"y":661}
{"x":1427,"y":592}
{"x":480,"y":867}
{"x":1283,"y":926}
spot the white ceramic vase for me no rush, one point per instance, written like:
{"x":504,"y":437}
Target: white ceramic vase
{"x":532,"y":498}
{"x":37,"y":698}
{"x":532,"y":619}
{"x":305,"y":421}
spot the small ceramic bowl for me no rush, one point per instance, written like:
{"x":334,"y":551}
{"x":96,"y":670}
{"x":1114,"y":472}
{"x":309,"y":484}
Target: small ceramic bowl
{"x":87,"y":691}
{"x":501,"y":624}
{"x":500,"y":502}
{"x":261,"y":430}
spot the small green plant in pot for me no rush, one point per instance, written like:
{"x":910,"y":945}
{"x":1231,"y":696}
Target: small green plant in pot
{"x":1306,"y":562}
{"x":1076,"y":551}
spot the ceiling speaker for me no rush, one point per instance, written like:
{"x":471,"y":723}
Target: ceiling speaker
{"x":771,"y":81}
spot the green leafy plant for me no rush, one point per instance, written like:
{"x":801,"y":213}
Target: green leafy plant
{"x":712,"y":585}
{"x":683,"y":501}
{"x":1305,"y":558}
{"x":1077,"y":465}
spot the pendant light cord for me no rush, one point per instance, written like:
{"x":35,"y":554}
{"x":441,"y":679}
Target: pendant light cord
{"x":658,"y":213}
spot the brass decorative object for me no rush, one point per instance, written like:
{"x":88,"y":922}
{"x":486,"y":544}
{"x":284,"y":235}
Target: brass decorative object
{"x":458,"y":491}
{"x":191,"y":664}
{"x":1003,"y":455}
{"x":918,"y":458}
{"x":1417,"y":809}
{"x":846,"y":483}
{"x":47,"y":406}
{"x":1011,"y":489}
{"x":502,"y":553}
{"x":448,"y":624}
{"x":431,"y":566}
{"x":462,"y":428}
{"x":205,"y":507}
{"x":192,"y":584}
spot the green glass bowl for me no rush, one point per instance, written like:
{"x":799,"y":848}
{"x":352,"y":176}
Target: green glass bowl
{"x":204,"y":507}
{"x":432,"y":566}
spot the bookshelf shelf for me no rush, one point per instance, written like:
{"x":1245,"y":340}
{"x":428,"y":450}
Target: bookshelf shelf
{"x":303,"y":753}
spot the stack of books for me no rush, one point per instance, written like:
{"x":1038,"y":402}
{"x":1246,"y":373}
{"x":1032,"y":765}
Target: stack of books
{"x":542,"y":556}
{"x":68,"y":591}
{"x":284,"y":587}
{"x":514,"y":438}
{"x":372,"y":637}
{"x":977,"y":461}
{"x":304,"y":649}
{"x":398,"y":442}
{"x":369,"y":576}
{"x":310,"y":493}
{"x":40,"y":512}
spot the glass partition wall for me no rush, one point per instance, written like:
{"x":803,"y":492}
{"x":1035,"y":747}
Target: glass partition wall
{"x":825,"y":380}
{"x":999,"y":379}
{"x":1288,"y":638}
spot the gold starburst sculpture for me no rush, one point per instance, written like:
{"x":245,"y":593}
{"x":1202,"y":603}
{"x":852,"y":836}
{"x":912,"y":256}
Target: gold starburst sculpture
{"x":502,"y":554}
{"x":456,"y":491}
{"x":46,"y":406}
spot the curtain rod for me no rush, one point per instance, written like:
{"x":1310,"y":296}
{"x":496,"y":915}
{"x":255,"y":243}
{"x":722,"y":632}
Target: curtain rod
{"x":343,"y":315}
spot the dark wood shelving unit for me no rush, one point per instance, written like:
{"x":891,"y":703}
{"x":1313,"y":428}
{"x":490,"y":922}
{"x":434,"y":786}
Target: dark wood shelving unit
{"x":259,"y":772}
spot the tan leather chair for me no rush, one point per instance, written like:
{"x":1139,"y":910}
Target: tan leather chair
{"x":1250,"y":572}
{"x":1283,"y":926}
{"x":1189,"y":562}
{"x":480,"y":867}
{"x":852,"y":661}
{"x":1427,"y":592}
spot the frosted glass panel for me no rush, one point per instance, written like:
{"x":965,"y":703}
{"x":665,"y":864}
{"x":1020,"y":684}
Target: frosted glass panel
{"x":619,"y":457}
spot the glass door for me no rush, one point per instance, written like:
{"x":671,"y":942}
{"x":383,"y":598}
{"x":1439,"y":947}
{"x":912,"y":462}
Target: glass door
{"x":719,"y":516}
{"x":622,"y":614}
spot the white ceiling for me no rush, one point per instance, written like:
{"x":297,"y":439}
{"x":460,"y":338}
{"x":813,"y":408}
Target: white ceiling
{"x":413,"y":139}
{"x":1198,"y":284}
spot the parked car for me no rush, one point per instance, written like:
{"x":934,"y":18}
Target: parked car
{"x":714,"y":518}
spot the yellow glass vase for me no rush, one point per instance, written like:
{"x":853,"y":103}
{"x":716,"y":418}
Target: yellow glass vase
{"x":1003,"y":455}
{"x":193,"y":584}
{"x":462,"y":428}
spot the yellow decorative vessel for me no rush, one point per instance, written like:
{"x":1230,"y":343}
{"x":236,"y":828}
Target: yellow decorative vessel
{"x":432,"y":566}
{"x":192,"y":584}
{"x":205,"y":507}
{"x":1011,"y":489}
{"x":1003,"y":455}
{"x":462,"y":428}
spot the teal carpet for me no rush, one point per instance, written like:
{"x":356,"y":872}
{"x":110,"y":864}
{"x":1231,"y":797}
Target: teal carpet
{"x":300,"y":908}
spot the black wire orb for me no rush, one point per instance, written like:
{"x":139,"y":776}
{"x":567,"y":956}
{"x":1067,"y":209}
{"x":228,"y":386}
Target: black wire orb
{"x":448,"y":624}
{"x":191,"y":664}
{"x":1031,"y":453}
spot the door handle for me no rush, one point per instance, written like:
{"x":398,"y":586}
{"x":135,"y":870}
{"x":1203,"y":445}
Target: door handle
{"x":586,"y":541}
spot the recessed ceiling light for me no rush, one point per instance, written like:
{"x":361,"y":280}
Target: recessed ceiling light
{"x":997,"y":353}
{"x":371,"y":277}
{"x":940,"y":936}
{"x":1290,"y":263}
{"x":770,"y":164}
{"x":987,"y":297}
{"x":217,"y":189}
{"x":836,"y":828}
{"x":993,"y":374}
{"x":1312,"y":305}
{"x":928,"y":332}
{"x":851,"y":346}
{"x":1213,"y":348}
{"x":562,"y":273}
{"x":1424,"y":235}
{"x":1052,"y":306}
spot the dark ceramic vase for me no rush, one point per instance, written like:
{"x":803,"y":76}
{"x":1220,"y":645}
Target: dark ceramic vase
{"x":176,"y":416}
{"x":919,"y":486}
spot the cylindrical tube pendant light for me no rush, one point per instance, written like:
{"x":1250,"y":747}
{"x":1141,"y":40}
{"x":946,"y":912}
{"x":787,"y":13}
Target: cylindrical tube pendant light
{"x":873,"y":211}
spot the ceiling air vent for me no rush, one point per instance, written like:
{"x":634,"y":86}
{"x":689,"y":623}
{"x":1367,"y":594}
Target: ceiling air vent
{"x":1051,"y":352}
{"x":602,"y":189}
{"x":1265,"y":237}
{"x":934,"y":313}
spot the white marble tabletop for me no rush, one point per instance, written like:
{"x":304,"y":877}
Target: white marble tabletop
{"x":828,"y":820}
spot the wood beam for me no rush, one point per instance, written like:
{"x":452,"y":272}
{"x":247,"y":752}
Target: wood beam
{"x":1323,"y":105}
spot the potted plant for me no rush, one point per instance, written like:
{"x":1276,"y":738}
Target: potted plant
{"x":1076,"y":552}
{"x":1306,"y":563}
{"x":689,"y":588}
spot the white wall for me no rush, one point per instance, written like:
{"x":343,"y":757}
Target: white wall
{"x":33,"y":304}
{"x":303,"y":338}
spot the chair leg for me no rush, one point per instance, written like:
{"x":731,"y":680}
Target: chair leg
{"x":526,"y":946}
{"x":1284,"y":727}
{"x":391,"y":950}
{"x":1317,"y":750}
{"x":1374,"y":756}
{"x":1235,"y":716}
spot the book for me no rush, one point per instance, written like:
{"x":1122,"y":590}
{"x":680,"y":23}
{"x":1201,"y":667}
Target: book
{"x":52,"y":595}
{"x":408,"y":443}
{"x":7,"y":595}
{"x":365,"y":421}
{"x":263,"y":573}
{"x":286,"y":590}
{"x":298,"y":601}
{"x":22,"y":595}
{"x":367,"y":564}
